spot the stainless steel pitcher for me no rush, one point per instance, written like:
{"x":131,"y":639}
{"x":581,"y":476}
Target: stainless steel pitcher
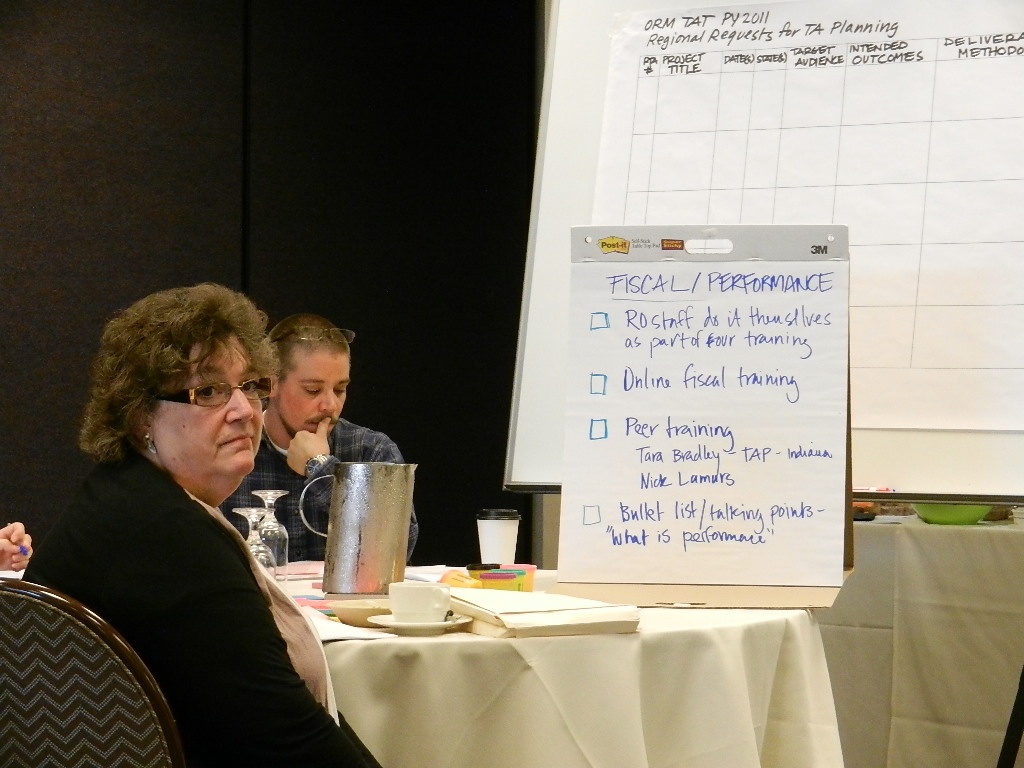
{"x":367,"y":528}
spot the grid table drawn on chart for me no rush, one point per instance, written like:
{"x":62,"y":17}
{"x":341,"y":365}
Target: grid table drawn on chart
{"x":911,"y":141}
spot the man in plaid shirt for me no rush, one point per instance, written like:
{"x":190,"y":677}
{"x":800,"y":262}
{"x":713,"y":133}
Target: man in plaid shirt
{"x":304,"y":436}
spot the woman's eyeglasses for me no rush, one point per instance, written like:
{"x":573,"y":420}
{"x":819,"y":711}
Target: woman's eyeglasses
{"x":212,"y":395}
{"x":312,"y":333}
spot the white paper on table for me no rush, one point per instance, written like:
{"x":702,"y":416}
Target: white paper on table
{"x":329,"y":630}
{"x":503,"y":613}
{"x":305,"y":569}
{"x":426,"y":572}
{"x":542,"y":578}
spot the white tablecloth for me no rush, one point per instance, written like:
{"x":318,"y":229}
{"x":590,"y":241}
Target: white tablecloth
{"x":925,"y":643}
{"x":691,"y":689}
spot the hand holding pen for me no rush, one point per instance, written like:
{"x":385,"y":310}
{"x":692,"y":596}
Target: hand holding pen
{"x":15,"y":547}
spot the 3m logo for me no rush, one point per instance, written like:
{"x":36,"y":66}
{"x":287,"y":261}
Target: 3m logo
{"x":819,"y":249}
{"x":673,"y":245}
{"x":613,"y":245}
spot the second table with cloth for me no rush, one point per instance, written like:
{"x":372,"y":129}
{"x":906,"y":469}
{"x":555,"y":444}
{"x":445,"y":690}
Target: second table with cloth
{"x":692,"y":688}
{"x":925,"y":643}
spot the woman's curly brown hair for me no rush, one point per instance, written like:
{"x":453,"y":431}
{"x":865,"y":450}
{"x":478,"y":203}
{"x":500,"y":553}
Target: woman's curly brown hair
{"x":148,"y":349}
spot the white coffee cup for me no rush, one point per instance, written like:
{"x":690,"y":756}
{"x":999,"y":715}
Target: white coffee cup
{"x":419,"y":602}
{"x":498,"y":530}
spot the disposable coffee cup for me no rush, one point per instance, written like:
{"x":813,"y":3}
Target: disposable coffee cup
{"x":498,"y":530}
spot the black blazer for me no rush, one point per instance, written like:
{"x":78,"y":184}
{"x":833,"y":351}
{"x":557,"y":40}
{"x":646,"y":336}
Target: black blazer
{"x":135,"y":548}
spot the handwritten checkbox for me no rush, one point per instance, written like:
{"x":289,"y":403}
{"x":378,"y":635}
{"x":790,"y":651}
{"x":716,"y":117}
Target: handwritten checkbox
{"x":591,"y":514}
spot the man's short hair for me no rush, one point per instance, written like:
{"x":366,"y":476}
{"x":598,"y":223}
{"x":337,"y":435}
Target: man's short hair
{"x":309,"y":332}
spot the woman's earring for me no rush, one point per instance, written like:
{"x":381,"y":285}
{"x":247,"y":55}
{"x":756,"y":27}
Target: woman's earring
{"x":150,"y":445}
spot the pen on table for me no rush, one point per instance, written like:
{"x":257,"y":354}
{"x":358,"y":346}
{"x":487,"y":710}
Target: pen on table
{"x":874,"y":489}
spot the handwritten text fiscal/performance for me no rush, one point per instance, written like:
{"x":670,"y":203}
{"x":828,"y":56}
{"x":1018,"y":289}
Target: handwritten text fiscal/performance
{"x":720,"y":282}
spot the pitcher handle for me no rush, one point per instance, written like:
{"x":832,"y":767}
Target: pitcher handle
{"x":302,"y":495}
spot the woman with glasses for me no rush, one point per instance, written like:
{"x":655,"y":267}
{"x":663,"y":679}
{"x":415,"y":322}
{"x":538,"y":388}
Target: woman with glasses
{"x":173,"y":421}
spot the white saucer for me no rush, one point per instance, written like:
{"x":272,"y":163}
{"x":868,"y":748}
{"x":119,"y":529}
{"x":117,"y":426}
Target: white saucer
{"x":417,"y":629}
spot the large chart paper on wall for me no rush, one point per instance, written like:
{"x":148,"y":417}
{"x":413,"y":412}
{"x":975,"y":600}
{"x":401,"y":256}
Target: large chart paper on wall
{"x":892,"y":117}
{"x":707,"y":406}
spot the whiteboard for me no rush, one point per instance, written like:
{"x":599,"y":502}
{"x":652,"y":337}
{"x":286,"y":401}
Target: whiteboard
{"x":950,"y":425}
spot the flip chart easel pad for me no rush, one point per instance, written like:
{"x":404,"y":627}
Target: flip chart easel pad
{"x":891,"y":117}
{"x":706,"y":407}
{"x":922,"y":248}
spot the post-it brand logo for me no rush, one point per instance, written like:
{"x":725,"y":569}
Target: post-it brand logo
{"x":613,"y":245}
{"x":672,"y":245}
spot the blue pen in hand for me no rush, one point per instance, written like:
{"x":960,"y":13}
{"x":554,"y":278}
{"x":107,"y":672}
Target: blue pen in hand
{"x":23,"y":549}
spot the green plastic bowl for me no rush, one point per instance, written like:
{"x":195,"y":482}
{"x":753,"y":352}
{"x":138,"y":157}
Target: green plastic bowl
{"x":951,"y":514}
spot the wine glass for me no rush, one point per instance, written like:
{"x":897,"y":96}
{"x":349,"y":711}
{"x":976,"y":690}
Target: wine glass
{"x":259,"y":550}
{"x":273,"y":534}
{"x":270,"y":497}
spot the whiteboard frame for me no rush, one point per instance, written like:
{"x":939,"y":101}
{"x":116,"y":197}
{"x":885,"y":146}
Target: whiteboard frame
{"x":942,"y":465}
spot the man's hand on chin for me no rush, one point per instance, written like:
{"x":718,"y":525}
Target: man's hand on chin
{"x":305,"y":445}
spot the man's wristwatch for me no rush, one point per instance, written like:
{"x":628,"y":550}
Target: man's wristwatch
{"x":316,"y":463}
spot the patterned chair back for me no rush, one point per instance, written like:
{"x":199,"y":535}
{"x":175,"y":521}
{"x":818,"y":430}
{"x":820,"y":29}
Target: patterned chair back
{"x":72,"y":691}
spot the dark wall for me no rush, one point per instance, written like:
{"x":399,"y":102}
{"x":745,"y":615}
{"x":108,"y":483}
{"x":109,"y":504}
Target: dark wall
{"x":120,"y":173}
{"x":392,"y":157}
{"x":371,"y":166}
